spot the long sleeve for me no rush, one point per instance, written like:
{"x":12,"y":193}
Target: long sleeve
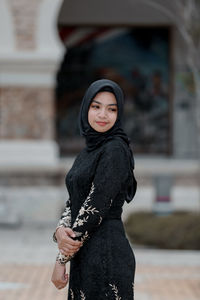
{"x":111,"y":175}
{"x":65,"y":219}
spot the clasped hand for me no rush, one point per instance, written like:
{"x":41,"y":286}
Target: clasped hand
{"x":67,"y":246}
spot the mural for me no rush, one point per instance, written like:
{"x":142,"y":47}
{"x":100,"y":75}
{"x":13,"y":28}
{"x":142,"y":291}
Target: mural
{"x":136,"y":58}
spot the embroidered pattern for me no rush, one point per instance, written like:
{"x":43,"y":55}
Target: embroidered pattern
{"x":85,"y":237}
{"x":80,"y":220}
{"x":65,"y":219}
{"x":82,"y":295}
{"x":115,"y":290}
{"x":63,"y":259}
{"x":72,"y":294}
{"x":133,"y":289}
{"x":100,"y":220}
{"x":85,"y":209}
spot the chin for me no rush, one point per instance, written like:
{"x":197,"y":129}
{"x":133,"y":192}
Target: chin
{"x":101,"y":130}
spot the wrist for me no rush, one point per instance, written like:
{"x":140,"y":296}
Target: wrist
{"x":62,"y":259}
{"x":57,"y":228}
{"x":58,"y":263}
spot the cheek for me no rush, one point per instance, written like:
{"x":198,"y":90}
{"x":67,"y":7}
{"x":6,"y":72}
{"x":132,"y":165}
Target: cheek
{"x":91,"y":116}
{"x":114,"y":118}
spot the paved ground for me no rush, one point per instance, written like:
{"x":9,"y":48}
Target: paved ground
{"x":27,"y":257}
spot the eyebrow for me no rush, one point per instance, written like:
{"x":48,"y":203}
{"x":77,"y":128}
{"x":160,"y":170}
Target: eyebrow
{"x":113,"y":104}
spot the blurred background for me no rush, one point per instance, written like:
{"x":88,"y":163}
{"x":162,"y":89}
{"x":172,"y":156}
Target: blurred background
{"x":50,"y":51}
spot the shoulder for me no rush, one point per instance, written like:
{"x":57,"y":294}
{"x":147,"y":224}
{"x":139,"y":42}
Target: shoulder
{"x":115,"y":148}
{"x":115,"y":143}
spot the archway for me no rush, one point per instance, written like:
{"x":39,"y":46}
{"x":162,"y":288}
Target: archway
{"x":138,"y":58}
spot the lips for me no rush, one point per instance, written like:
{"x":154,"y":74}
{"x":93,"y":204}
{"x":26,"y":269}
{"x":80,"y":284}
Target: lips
{"x":102,"y":123}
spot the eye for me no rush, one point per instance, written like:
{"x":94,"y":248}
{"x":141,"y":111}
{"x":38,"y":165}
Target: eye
{"x":95,"y":106}
{"x":112,"y":109}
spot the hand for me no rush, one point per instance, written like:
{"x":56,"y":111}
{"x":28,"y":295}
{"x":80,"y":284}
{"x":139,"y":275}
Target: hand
{"x":66,"y":244}
{"x":59,"y":276}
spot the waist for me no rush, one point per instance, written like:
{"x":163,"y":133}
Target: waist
{"x":110,"y":217}
{"x":114,"y":213}
{"x":112,"y":226}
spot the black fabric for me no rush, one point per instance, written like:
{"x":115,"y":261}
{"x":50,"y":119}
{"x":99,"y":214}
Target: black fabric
{"x":104,"y":267}
{"x":99,"y":182}
{"x":95,"y":139}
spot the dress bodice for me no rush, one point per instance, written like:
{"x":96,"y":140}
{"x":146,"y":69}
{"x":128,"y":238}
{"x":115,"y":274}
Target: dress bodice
{"x":97,"y":184}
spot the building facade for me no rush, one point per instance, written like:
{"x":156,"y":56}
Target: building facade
{"x":32,"y":100}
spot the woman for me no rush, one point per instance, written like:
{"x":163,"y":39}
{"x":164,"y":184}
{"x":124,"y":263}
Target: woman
{"x":90,"y":232}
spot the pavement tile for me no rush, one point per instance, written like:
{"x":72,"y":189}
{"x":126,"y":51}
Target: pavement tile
{"x":27,"y":257}
{"x":36,"y":281}
{"x":167,"y":283}
{"x":152,"y":283}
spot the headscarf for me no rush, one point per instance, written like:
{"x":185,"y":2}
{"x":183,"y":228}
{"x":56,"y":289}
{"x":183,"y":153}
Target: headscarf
{"x":95,"y":139}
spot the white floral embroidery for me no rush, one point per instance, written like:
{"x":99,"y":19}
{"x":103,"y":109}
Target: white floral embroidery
{"x":72,"y":294}
{"x":85,"y":209}
{"x":81,"y":211}
{"x":85,"y":236}
{"x":82,"y":295}
{"x":80,"y":220}
{"x":65,"y":219}
{"x":115,"y":290}
{"x":133,"y":289}
{"x":100,"y":220}
{"x":63,"y":259}
{"x":77,"y":233}
{"x":91,"y":210}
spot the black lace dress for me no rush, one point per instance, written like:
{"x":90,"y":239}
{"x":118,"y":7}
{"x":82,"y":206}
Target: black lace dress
{"x":104,"y":267}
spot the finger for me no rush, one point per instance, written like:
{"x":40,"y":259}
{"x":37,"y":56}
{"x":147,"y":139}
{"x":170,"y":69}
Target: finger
{"x":61,"y":282}
{"x":69,"y":247}
{"x":66,"y":249}
{"x":62,"y":285}
{"x":70,"y":232}
{"x":67,"y":240}
{"x":72,"y":242}
{"x":68,"y":253}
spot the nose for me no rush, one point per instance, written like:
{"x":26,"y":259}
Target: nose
{"x":102,"y":113}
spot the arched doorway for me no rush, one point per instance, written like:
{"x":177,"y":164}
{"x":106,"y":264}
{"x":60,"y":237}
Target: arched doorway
{"x":138,"y":58}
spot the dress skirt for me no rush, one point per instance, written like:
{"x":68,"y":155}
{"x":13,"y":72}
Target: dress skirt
{"x":104,"y":267}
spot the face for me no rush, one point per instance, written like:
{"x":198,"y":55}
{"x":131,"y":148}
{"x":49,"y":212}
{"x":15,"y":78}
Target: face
{"x":102,"y":113}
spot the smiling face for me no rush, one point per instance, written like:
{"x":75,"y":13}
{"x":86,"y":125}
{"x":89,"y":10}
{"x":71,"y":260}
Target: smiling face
{"x":102,"y":113}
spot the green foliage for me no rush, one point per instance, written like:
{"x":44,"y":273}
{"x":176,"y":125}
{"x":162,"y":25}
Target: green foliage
{"x":176,"y":231}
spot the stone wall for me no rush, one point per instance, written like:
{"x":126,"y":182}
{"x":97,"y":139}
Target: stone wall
{"x":24,"y":14}
{"x":27,"y":113}
{"x":29,"y":58}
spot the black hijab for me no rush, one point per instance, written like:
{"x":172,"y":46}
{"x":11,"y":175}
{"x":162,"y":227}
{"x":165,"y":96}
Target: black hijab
{"x":95,"y":139}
